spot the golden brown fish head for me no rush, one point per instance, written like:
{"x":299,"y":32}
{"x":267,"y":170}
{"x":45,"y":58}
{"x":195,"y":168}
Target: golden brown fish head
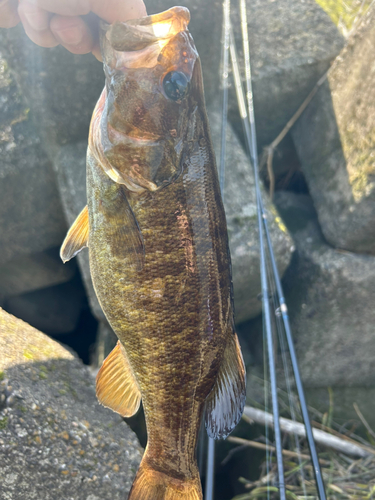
{"x":153,"y":90}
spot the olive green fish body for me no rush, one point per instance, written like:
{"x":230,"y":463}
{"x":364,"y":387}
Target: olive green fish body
{"x":173,"y":316}
{"x":159,"y":254}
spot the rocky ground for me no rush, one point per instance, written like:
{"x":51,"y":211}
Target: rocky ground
{"x":56,"y":441}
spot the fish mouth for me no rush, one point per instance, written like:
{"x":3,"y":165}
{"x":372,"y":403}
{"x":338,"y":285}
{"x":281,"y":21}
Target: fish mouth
{"x":139,"y":42}
{"x":137,"y":34}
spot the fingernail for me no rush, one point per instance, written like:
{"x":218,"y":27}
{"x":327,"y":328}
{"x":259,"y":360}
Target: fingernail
{"x":71,"y":36}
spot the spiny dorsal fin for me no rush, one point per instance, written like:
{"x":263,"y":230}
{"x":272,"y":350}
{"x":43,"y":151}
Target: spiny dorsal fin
{"x":116,"y":387}
{"x":77,"y":237}
{"x":226,"y":401}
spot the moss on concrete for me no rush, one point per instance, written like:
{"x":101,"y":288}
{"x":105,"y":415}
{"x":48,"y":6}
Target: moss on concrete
{"x":344,"y":13}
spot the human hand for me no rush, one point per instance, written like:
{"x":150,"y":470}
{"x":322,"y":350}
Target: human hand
{"x":59,"y":22}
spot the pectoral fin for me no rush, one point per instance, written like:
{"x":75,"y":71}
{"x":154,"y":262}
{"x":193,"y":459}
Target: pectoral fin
{"x":122,"y":234}
{"x":77,"y":237}
{"x":116,"y":387}
{"x":226,"y":401}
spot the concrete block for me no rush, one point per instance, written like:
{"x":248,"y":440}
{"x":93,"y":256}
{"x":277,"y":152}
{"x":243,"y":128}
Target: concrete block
{"x":335,"y":141}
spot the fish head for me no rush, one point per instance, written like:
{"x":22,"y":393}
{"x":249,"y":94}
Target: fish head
{"x":153,"y":88}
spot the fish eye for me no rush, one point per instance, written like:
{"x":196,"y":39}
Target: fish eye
{"x":175,"y":85}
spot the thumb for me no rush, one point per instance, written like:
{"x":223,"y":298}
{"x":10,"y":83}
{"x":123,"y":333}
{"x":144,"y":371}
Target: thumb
{"x":118,"y":10}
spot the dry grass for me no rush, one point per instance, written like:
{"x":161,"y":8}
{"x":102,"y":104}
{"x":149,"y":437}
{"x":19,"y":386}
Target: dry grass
{"x":345,"y":477}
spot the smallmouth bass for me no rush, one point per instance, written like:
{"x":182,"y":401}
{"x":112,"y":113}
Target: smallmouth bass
{"x":159,"y":255}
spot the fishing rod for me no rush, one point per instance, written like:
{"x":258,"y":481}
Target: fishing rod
{"x":250,"y":134}
{"x":251,"y":143}
{"x":248,"y":119}
{"x":225,"y":83}
{"x":210,"y":471}
{"x":229,"y":47}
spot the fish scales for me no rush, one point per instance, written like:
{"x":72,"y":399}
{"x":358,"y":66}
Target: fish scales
{"x":174,"y":334}
{"x":159,"y":254}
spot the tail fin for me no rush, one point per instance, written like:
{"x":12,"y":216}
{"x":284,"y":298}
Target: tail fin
{"x":150,"y":484}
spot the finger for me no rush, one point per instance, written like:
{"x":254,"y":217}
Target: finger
{"x":110,"y":10}
{"x":37,"y":19}
{"x":73,"y":33}
{"x":8,"y":13}
{"x":65,"y":7}
{"x":36,"y":24}
{"x":118,"y":10}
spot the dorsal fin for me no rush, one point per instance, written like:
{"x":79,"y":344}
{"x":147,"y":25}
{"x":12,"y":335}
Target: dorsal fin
{"x":226,"y":401}
{"x":77,"y":237}
{"x":116,"y":387}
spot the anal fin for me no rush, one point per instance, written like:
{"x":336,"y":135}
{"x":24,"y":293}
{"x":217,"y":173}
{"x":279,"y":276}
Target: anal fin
{"x":77,"y":237}
{"x":116,"y":387}
{"x":226,"y":401}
